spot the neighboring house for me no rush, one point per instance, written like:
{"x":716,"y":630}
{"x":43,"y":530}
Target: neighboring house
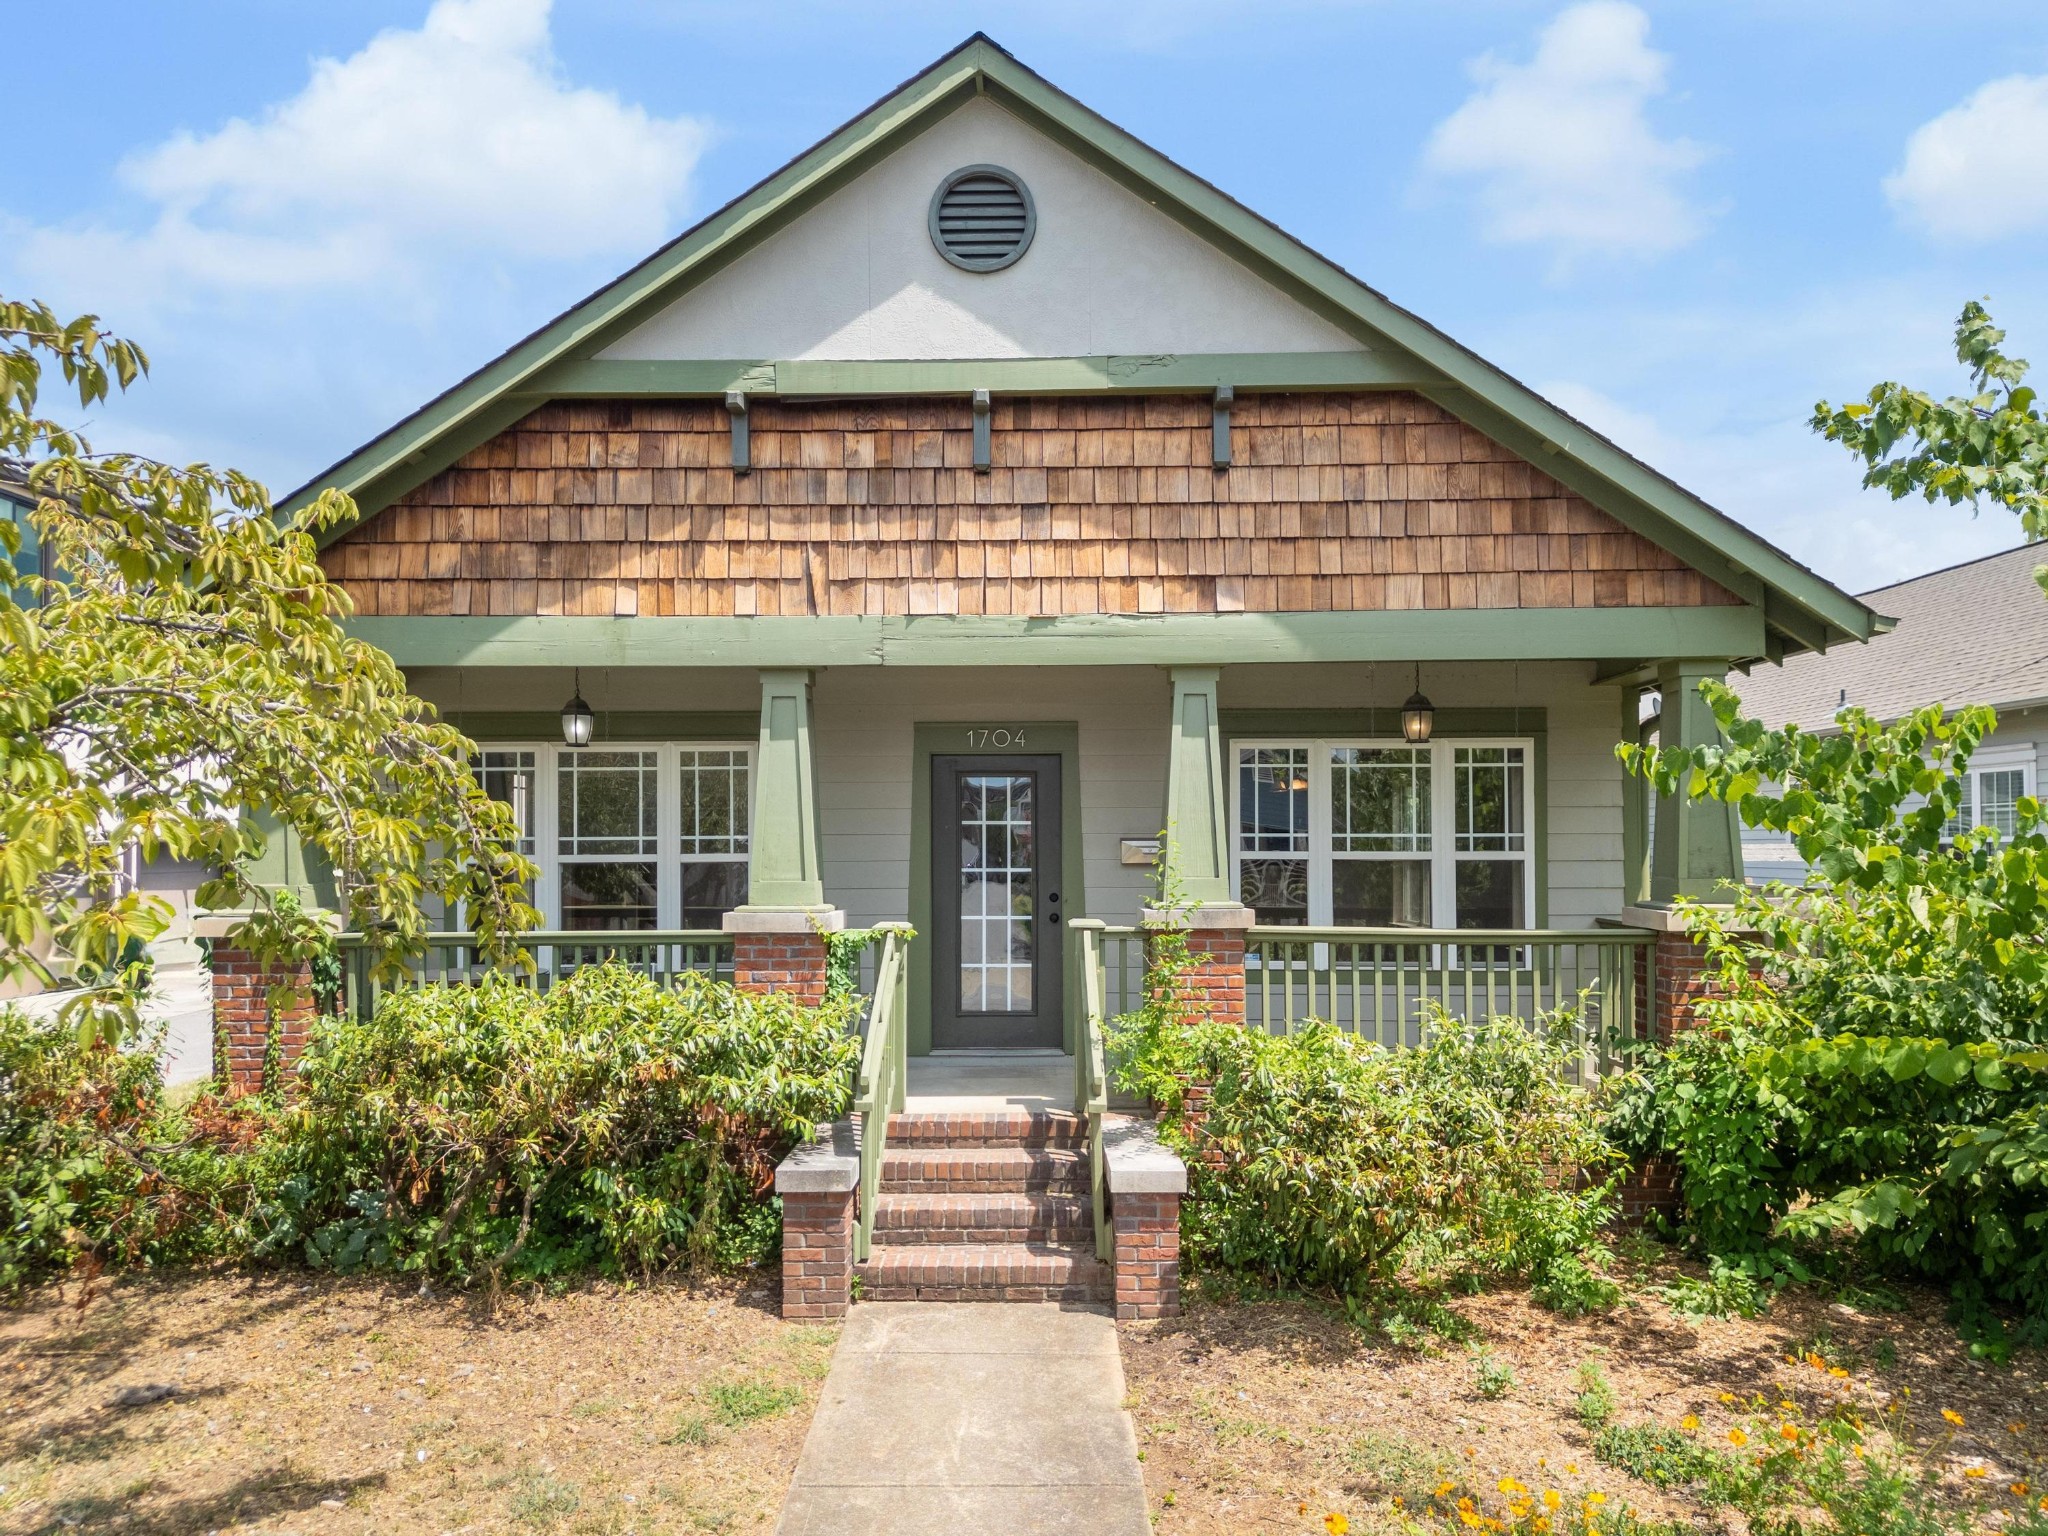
{"x":1975,"y":633}
{"x":982,"y":492}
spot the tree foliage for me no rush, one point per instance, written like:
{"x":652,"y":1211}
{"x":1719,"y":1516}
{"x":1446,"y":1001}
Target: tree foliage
{"x":1876,"y":1062}
{"x":173,"y":667}
{"x":1991,"y":445}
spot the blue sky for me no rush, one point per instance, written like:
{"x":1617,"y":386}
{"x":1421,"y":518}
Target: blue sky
{"x":1685,"y":222}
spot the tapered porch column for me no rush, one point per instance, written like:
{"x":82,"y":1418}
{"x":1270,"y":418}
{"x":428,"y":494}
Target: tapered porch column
{"x":1198,"y":851}
{"x":1696,"y":853}
{"x":778,"y":936}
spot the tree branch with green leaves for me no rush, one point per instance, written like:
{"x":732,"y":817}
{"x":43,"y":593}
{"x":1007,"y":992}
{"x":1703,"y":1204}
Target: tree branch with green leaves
{"x":174,"y":667}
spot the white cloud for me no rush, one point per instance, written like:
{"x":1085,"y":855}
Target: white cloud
{"x":1561,"y":151}
{"x":456,"y":140}
{"x":1977,"y":169}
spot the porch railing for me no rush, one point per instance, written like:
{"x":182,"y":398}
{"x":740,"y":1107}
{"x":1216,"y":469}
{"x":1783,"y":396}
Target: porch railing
{"x":884,"y":1068}
{"x":1381,"y":982}
{"x":453,"y":958}
{"x":1091,"y":1075}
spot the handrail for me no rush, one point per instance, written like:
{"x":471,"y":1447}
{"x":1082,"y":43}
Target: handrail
{"x":884,"y":1068}
{"x":1091,"y":1077}
{"x":453,"y":956}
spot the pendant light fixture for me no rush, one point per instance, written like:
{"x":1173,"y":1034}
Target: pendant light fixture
{"x":577,"y":720}
{"x":1418,"y":715}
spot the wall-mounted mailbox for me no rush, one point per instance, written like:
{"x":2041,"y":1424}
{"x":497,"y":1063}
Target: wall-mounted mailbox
{"x":1138,"y":850}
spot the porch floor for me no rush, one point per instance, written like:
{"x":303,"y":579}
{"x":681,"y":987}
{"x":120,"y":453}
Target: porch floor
{"x":989,"y":1080}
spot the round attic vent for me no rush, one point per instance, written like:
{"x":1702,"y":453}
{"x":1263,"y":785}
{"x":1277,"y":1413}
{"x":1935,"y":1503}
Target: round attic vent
{"x":982,"y":218}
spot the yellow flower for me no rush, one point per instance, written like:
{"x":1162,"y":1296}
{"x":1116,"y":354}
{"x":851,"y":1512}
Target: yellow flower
{"x":1551,"y":1498}
{"x":1469,"y":1518}
{"x":1397,"y":1502}
{"x":2017,"y":1426}
{"x":1335,"y":1524}
{"x":1509,"y":1485}
{"x":1571,"y":1468}
{"x":1540,"y":1525}
{"x":1689,"y":1423}
{"x":1856,"y":1451}
{"x":1727,"y":1397}
{"x":1596,"y":1498}
{"x":1953,"y":1417}
{"x":1737,"y":1437}
{"x":2019,"y":1490}
{"x":1813,"y":1359}
{"x":1974,"y":1472}
{"x":1837,"y":1371}
{"x":1443,"y":1490}
{"x":1788,"y":1432}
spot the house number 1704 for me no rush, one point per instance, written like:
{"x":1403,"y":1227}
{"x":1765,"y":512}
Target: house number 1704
{"x":994,"y":736}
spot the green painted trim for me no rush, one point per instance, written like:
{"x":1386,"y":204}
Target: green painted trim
{"x":1197,"y":807}
{"x":945,"y":738}
{"x":1697,"y":844}
{"x":1635,"y":816}
{"x":1450,"y":724}
{"x":1528,"y":634}
{"x":612,"y":725}
{"x":1150,"y":374}
{"x":1473,"y":389}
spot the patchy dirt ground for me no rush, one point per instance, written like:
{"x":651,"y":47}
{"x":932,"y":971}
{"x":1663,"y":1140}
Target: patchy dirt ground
{"x":331,"y":1407}
{"x":1266,"y":1416}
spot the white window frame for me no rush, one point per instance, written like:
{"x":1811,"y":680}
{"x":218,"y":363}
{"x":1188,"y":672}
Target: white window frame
{"x":1443,"y":854}
{"x":2008,"y":759}
{"x":668,"y":788}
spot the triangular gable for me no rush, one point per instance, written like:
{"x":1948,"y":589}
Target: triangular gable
{"x":1802,"y":610}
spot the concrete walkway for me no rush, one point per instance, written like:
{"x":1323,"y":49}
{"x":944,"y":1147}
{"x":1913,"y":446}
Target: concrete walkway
{"x":940,"y":1417}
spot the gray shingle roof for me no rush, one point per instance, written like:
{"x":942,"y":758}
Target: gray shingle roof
{"x":1970,"y":634}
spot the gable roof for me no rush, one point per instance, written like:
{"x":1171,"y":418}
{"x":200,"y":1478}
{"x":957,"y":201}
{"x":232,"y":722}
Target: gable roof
{"x":1975,"y":633}
{"x":1801,"y":610}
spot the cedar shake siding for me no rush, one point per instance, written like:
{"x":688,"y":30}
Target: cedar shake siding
{"x":1098,"y":505}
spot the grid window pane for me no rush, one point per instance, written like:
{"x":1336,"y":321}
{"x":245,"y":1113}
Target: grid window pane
{"x":710,"y":890}
{"x":1272,"y":796}
{"x":1488,"y":785}
{"x":508,"y":777}
{"x":1380,"y":893}
{"x":607,"y":804}
{"x":1379,"y":799}
{"x":1964,"y":818}
{"x":1998,"y":799}
{"x":1490,"y":893}
{"x":998,"y":936}
{"x":607,"y":897}
{"x":1276,"y":889}
{"x":714,"y":800}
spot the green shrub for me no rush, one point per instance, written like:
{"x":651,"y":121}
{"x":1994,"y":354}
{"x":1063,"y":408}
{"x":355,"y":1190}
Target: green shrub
{"x":1493,"y":1377}
{"x":1326,"y":1159}
{"x":749,"y":1398}
{"x":1885,"y":1079}
{"x":1595,"y":1403}
{"x":1568,"y":1285}
{"x":607,"y":1123}
{"x":1664,"y":1458}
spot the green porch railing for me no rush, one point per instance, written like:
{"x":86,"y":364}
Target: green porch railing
{"x":884,"y":1070}
{"x":1377,"y":982}
{"x":1091,"y":1074}
{"x":453,"y":959}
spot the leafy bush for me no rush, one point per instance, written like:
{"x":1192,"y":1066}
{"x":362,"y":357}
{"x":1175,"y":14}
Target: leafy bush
{"x":1326,"y":1160}
{"x":1595,"y":1403}
{"x":608,"y":1122}
{"x":1877,"y":1064}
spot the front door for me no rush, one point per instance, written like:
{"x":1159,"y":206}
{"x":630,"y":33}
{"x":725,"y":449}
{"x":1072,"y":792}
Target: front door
{"x":996,"y":972}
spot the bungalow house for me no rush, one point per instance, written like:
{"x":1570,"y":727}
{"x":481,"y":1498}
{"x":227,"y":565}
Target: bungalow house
{"x":1975,"y":633}
{"x":981,"y":495}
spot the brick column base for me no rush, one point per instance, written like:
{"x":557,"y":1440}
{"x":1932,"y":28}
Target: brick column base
{"x":1147,"y":1261}
{"x":780,"y":962}
{"x":1213,"y":988}
{"x":247,"y":1032}
{"x":1680,"y":975}
{"x":817,"y":1255}
{"x":1648,"y":1192}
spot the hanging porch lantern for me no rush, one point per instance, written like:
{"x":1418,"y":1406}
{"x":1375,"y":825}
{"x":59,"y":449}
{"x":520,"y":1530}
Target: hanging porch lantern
{"x":1418,"y":715}
{"x":577,"y":719}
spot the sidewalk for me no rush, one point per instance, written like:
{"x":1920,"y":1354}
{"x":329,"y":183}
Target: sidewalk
{"x":970,"y":1417}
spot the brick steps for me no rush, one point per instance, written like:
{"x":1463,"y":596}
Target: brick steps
{"x":985,"y":1272}
{"x":912,"y":1220}
{"x":999,"y":1128}
{"x":985,"y":1206}
{"x":982,"y":1170}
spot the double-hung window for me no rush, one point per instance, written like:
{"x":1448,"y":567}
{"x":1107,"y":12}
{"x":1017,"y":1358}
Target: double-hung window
{"x":629,"y":836}
{"x":1385,"y":834}
{"x":1991,"y":796}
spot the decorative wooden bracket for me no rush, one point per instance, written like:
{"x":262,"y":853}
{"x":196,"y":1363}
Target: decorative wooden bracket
{"x":983,"y":454}
{"x":742,"y":450}
{"x":1219,"y":426}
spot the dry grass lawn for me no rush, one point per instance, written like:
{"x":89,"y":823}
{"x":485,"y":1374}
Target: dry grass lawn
{"x":331,"y":1407}
{"x":1265,"y":1416}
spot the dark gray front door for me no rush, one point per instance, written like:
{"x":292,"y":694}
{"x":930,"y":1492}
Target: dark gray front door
{"x":996,"y":977}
